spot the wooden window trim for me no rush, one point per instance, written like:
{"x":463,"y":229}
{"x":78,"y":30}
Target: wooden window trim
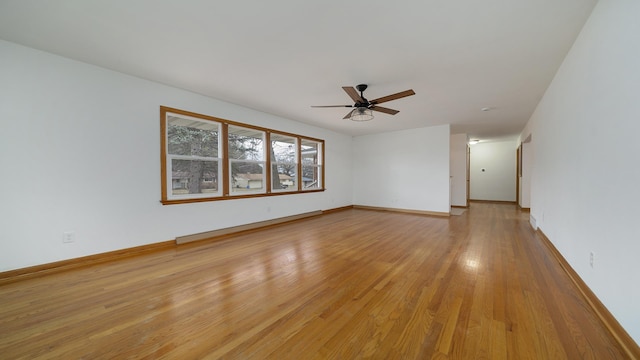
{"x":267,"y":153}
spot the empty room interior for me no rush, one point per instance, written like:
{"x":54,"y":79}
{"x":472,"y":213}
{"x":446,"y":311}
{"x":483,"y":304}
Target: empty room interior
{"x":319,"y":180}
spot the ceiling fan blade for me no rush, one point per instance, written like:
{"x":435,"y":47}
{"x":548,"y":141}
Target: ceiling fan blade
{"x":330,"y":106}
{"x":393,"y":97}
{"x":349,"y":114}
{"x":353,"y":94}
{"x":384,"y":110}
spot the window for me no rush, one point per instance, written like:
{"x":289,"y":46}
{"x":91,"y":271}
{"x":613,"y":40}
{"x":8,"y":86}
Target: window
{"x":192,"y":157}
{"x":284,"y":163}
{"x":204,"y":158}
{"x":311,"y":152}
{"x":246,"y":160}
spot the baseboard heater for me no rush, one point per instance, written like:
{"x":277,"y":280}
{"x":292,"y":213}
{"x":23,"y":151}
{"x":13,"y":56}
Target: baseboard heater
{"x":237,"y":229}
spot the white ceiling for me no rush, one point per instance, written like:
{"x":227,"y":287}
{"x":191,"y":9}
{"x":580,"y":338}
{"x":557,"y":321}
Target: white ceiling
{"x":282,"y":56}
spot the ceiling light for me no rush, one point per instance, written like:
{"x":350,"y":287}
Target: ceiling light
{"x":473,"y":142}
{"x":361,"y":114}
{"x":485,"y":109}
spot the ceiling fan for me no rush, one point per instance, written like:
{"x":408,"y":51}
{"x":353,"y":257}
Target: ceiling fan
{"x":363,"y":108}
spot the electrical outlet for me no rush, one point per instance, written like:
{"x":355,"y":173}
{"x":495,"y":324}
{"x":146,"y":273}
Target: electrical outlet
{"x":592,"y":258}
{"x":68,"y":237}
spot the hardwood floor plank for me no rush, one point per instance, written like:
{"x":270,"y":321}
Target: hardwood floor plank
{"x":346,"y":285}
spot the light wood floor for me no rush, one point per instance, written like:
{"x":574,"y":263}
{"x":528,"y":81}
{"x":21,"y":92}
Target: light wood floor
{"x":346,"y":285}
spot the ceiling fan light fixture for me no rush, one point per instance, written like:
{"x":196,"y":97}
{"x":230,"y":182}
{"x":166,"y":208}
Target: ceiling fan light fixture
{"x":361,"y":114}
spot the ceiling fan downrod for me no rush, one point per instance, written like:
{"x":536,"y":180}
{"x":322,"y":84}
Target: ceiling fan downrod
{"x":362,"y":88}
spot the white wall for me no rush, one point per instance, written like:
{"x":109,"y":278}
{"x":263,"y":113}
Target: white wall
{"x":585,"y":186}
{"x":498,"y":180}
{"x":80,"y":151}
{"x":403,"y":170}
{"x":458,"y":169}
